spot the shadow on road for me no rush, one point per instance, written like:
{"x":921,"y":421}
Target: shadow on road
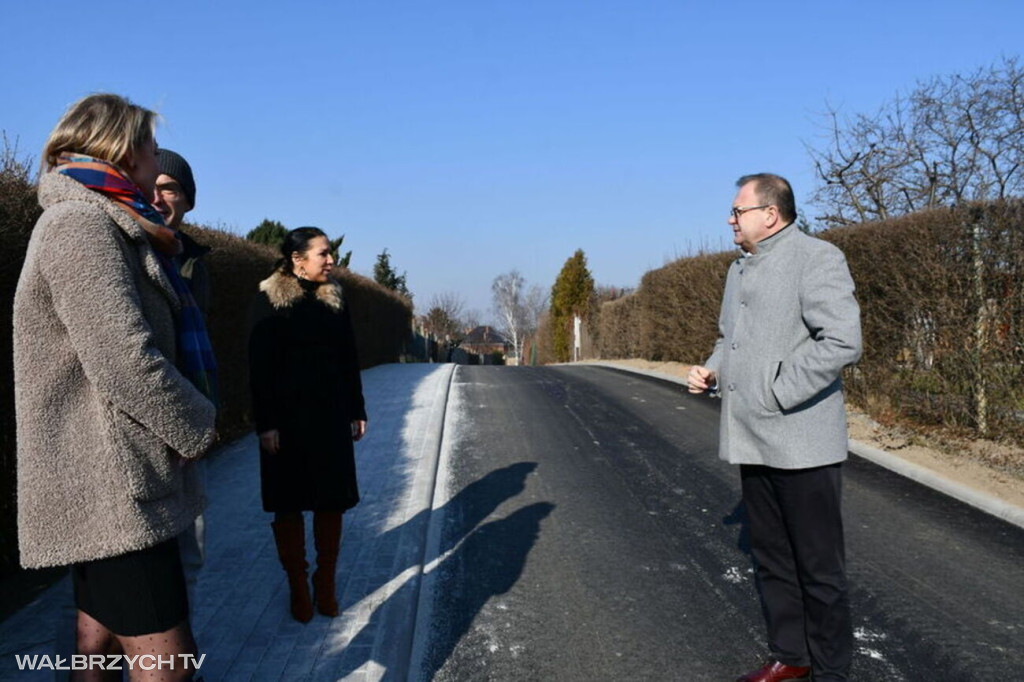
{"x":491,"y":558}
{"x":738,"y":516}
{"x":488,"y":563}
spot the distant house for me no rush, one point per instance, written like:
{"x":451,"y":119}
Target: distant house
{"x":484,"y":340}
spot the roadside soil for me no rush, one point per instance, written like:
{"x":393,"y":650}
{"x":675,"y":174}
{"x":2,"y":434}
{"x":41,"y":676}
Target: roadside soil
{"x":986,"y":466}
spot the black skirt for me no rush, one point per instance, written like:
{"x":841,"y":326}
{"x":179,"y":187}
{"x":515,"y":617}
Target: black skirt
{"x":138,"y":593}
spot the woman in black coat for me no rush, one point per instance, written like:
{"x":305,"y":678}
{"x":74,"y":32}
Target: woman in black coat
{"x":305,"y":382}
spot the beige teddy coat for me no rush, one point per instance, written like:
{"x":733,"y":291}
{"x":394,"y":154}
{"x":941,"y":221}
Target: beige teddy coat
{"x":106,"y":423}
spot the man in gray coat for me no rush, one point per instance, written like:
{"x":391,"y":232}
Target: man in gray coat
{"x":788,"y":326}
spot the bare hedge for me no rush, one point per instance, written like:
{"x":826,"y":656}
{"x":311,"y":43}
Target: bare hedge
{"x":679,"y":306}
{"x":619,"y":325}
{"x":18,"y":212}
{"x":942,"y":300}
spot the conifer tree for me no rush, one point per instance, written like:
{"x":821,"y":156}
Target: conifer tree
{"x":335,"y":244}
{"x":387,"y":276}
{"x":570,"y":296}
{"x":269,"y":232}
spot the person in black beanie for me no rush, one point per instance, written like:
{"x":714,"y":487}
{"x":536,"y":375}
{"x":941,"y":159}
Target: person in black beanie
{"x":174,"y":196}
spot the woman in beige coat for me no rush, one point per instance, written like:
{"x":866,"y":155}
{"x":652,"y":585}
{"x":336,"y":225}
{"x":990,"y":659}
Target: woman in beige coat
{"x":113,"y":388}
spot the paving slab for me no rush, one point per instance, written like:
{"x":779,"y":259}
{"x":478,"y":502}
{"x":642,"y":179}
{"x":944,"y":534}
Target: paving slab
{"x":241,"y":616}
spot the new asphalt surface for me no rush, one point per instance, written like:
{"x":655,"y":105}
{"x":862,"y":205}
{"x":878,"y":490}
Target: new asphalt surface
{"x":591,"y":533}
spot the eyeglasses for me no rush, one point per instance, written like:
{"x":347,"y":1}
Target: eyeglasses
{"x":169,"y":191}
{"x":737,"y":211}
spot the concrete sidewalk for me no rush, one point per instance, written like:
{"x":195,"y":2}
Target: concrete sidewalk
{"x":241,"y":616}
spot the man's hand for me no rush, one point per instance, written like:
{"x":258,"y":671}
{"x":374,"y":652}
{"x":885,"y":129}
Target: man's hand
{"x":270,"y":441}
{"x":700,"y":379}
{"x":358,"y":429}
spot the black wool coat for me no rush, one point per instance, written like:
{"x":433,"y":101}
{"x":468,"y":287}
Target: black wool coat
{"x":305,"y":383}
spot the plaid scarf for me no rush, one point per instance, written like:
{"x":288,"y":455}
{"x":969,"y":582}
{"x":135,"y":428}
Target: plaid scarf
{"x":195,"y":354}
{"x":110,"y":181}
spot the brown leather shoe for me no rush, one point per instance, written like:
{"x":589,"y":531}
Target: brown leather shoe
{"x":327,"y":536}
{"x":773,"y":671}
{"x":290,"y":537}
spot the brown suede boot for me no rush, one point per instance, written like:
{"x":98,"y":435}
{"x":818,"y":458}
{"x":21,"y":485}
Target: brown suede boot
{"x":327,"y":536}
{"x":291,"y":549}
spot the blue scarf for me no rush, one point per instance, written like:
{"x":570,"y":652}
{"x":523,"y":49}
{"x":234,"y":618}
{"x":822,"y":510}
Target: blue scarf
{"x":195,"y":353}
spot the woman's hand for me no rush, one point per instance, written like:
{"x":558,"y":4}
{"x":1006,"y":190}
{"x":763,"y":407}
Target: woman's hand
{"x":358,"y":428}
{"x":270,"y":441}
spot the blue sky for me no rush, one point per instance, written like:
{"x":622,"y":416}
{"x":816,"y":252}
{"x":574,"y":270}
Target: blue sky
{"x":469,"y":138}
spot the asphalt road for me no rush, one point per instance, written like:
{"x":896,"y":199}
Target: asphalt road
{"x":591,"y":533}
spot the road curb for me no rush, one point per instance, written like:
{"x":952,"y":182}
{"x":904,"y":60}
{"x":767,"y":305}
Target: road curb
{"x":432,"y":546}
{"x":976,"y":498}
{"x":990,"y":504}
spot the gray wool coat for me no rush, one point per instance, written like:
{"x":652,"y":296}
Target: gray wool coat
{"x":105,"y":422}
{"x":789,"y":324}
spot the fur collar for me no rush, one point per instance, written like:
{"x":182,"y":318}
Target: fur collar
{"x":283,"y":290}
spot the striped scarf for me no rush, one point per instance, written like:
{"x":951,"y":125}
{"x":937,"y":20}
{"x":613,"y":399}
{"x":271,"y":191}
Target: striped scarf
{"x":110,"y":181}
{"x":195,"y":354}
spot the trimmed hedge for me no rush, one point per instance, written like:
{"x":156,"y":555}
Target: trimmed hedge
{"x":681,"y":301}
{"x":942,"y":301}
{"x":381,"y":317}
{"x":18,"y":213}
{"x":619,"y":325}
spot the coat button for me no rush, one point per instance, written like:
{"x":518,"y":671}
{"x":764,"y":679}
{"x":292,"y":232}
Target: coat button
{"x":732,"y":387}
{"x":735,"y":345}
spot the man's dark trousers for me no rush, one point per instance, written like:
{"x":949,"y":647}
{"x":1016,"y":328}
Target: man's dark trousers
{"x":796,"y":531}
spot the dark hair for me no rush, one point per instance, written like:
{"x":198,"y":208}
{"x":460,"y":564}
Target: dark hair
{"x":297,"y":241}
{"x":773,"y":190}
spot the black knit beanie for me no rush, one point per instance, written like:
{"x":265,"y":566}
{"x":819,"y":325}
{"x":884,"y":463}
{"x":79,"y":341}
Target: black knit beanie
{"x":173,"y":164}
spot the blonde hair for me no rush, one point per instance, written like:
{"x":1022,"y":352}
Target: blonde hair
{"x":106,"y":126}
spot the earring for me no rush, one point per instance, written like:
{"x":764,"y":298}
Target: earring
{"x":302,"y":273}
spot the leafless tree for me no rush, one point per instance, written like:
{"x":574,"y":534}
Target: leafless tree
{"x":450,"y":302}
{"x":444,"y":316}
{"x":510,"y":307}
{"x":951,"y":139}
{"x":535,"y":305}
{"x":471,"y":319}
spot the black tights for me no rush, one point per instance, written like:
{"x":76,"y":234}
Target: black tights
{"x":94,"y":638}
